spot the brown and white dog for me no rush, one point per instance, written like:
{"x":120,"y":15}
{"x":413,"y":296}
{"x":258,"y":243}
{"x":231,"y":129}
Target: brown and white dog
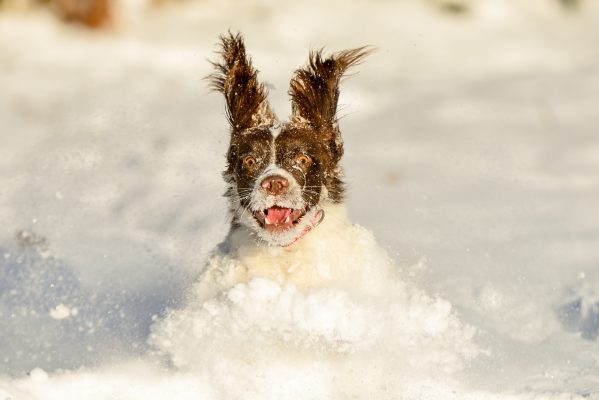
{"x":284,"y":177}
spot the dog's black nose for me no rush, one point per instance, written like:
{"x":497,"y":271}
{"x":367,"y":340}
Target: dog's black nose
{"x":275,"y":185}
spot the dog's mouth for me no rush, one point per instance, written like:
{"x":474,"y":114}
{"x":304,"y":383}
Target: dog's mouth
{"x":279,"y":219}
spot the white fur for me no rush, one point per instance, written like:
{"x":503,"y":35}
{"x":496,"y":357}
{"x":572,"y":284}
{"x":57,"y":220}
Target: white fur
{"x":292,"y":198}
{"x":332,"y":254}
{"x":276,"y":131}
{"x":260,"y":200}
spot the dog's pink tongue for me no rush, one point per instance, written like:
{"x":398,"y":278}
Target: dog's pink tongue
{"x":278,"y":215}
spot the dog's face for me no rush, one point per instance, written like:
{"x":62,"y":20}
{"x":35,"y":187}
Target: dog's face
{"x":280,"y":176}
{"x":281,"y":173}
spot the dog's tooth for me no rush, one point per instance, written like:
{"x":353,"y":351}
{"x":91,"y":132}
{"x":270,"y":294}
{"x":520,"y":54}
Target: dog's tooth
{"x":287,"y":219}
{"x":267,"y":221}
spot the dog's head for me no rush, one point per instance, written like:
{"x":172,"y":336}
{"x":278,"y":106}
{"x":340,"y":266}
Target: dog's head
{"x":280,"y":173}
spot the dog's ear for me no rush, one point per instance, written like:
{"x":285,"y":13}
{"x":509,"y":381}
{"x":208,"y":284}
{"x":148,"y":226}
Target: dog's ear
{"x":237,"y":80}
{"x":315,"y":88}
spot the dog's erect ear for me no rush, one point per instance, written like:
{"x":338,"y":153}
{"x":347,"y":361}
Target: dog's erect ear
{"x":236,"y":78}
{"x":315,"y":88}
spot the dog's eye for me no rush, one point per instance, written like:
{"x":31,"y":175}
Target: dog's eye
{"x":249,"y":161}
{"x":303,"y":160}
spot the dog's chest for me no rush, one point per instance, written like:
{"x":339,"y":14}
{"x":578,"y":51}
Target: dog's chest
{"x":303,"y":267}
{"x":336,"y":253}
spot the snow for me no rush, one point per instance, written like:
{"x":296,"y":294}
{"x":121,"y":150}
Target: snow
{"x":61,"y":312}
{"x":471,"y":154}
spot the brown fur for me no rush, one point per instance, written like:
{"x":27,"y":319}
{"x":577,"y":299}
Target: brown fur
{"x":93,"y":13}
{"x":312,"y":130}
{"x":315,"y":88}
{"x":256,"y":143}
{"x":295,"y":140}
{"x":314,"y":96}
{"x":237,"y":79}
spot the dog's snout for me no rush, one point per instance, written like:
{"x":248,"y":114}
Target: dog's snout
{"x":275,"y":185}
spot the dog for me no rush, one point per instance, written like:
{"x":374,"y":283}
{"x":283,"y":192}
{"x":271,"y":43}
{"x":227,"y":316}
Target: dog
{"x":284,"y":179}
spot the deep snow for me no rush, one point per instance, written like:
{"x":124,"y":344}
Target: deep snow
{"x":471,"y":153}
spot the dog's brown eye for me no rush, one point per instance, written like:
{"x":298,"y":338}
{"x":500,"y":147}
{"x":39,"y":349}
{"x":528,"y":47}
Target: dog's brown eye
{"x":249,"y":161}
{"x":303,"y":160}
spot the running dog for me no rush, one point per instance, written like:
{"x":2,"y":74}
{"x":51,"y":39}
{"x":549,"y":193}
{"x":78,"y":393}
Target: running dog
{"x":284,"y":178}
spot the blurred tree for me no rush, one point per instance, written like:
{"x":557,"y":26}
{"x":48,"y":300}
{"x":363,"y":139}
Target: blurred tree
{"x":572,"y":4}
{"x":93,"y":13}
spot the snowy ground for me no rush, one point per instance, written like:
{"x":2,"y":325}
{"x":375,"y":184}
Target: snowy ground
{"x":472,"y":154}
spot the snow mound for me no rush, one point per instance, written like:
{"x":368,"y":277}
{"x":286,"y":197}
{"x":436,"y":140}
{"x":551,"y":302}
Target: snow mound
{"x":264,"y":340}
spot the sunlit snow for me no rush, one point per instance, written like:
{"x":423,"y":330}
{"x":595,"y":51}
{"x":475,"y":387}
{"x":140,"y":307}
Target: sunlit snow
{"x":472,"y":158}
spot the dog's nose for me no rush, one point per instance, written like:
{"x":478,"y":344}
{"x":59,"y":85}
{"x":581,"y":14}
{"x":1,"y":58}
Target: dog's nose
{"x":275,"y":185}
